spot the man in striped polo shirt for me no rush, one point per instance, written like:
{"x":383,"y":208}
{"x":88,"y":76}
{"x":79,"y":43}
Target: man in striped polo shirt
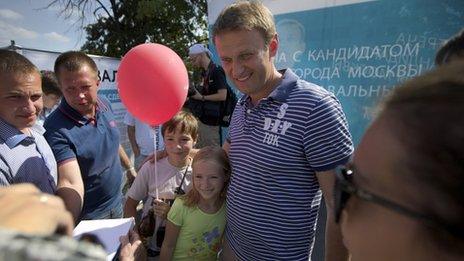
{"x":286,"y":138}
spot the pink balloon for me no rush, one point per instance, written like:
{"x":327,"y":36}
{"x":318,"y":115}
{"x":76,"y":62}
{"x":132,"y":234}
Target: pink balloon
{"x":152,"y":82}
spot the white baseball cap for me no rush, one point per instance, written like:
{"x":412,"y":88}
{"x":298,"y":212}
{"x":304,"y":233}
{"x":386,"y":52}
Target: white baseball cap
{"x":198,"y":48}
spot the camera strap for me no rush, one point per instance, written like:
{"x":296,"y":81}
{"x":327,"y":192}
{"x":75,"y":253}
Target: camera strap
{"x":183,"y":177}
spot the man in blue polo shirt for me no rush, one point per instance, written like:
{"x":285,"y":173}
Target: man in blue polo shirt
{"x":85,"y":140}
{"x":286,"y":138}
{"x":25,"y":156}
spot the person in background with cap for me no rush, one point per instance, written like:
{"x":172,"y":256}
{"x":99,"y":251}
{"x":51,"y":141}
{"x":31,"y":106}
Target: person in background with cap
{"x":213,"y":88}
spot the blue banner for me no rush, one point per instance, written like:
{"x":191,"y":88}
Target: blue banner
{"x":361,"y":51}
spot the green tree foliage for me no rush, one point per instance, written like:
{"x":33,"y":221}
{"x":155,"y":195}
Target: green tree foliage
{"x":123,"y":24}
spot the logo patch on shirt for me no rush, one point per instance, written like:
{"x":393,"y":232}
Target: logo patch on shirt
{"x":276,"y":127}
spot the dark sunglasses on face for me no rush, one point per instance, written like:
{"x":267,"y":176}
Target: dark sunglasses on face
{"x":345,"y":188}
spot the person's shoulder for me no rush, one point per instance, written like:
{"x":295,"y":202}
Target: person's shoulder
{"x":129,"y":119}
{"x":179,"y":203}
{"x":144,"y":169}
{"x":161,"y":165}
{"x":308,"y":88}
{"x":55,"y":120}
{"x":305,"y":97}
{"x":308,"y":93}
{"x":164,"y":162}
{"x":217,"y":67}
{"x":147,"y":167}
{"x":104,"y":103}
{"x":37,"y":129}
{"x":38,"y":133}
{"x":292,"y":86}
{"x":103,"y":99}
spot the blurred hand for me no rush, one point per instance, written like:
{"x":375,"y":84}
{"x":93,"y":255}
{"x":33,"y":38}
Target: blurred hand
{"x":191,"y":91}
{"x":132,"y":247}
{"x":130,"y":175}
{"x":24,"y":208}
{"x":197,"y":96}
{"x":160,"y":208}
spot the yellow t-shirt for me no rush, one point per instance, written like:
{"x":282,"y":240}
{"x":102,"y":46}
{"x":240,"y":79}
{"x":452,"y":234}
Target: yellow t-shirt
{"x":200,"y":233}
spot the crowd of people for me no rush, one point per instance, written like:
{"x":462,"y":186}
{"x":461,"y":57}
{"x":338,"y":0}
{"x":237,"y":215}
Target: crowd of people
{"x":398,"y":196}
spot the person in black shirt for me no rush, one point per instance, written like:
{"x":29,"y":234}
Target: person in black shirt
{"x":213,"y":89}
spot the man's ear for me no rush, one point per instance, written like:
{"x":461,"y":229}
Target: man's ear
{"x":273,"y":46}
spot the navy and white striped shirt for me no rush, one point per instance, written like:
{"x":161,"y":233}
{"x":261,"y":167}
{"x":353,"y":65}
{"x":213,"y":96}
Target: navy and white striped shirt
{"x":26,"y":159}
{"x":276,"y":148}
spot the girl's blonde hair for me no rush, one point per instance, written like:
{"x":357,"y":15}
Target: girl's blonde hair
{"x":215,"y":154}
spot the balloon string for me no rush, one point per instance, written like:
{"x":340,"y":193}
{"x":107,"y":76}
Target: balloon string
{"x":156,"y":164}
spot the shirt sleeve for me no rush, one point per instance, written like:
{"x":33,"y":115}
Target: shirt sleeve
{"x":139,"y":189}
{"x":5,"y":174}
{"x":106,"y":102}
{"x":129,"y":119}
{"x":61,"y":146}
{"x":176,"y":214}
{"x":327,"y":140}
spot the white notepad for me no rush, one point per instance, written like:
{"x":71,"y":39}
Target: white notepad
{"x":108,"y":232}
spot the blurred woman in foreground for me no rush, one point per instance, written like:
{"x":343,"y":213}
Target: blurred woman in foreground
{"x":402,"y":198}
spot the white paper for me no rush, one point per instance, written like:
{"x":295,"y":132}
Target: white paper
{"x":108,"y":232}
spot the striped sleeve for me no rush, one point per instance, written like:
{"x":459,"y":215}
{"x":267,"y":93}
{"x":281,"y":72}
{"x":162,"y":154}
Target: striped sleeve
{"x":327,"y":140}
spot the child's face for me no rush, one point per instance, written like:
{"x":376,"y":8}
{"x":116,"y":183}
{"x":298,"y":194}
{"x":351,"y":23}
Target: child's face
{"x":208,"y":179}
{"x":178,"y":144}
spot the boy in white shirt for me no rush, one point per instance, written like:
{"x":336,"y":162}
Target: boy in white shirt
{"x":174,"y":171}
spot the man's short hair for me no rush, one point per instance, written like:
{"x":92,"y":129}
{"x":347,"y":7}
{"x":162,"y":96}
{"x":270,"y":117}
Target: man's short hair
{"x":452,"y":47}
{"x":187,"y":122}
{"x":73,"y":61}
{"x":12,"y":62}
{"x":50,"y":83}
{"x":246,"y":15}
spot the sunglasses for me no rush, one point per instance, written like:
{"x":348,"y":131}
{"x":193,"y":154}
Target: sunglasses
{"x":345,"y":188}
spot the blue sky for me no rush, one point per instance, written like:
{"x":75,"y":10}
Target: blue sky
{"x":31,"y":26}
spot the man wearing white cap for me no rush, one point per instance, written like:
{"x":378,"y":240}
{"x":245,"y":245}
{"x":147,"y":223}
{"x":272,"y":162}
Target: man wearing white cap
{"x":212,"y":90}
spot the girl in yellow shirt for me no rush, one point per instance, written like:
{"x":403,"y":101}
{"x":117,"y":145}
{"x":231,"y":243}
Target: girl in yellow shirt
{"x":196,"y":221}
